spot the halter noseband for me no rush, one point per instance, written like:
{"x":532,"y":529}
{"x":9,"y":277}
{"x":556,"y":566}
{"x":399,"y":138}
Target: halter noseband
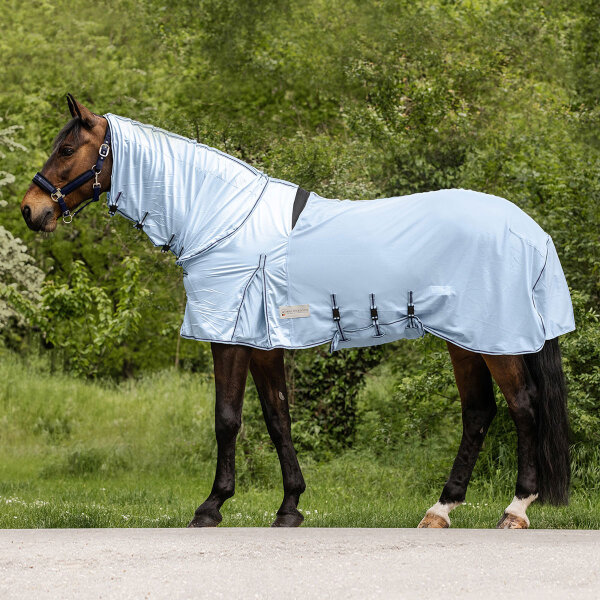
{"x":58,"y":194}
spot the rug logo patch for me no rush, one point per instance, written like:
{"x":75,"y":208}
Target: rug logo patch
{"x":294,"y":312}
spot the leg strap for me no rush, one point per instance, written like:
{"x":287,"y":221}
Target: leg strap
{"x":337,"y":318}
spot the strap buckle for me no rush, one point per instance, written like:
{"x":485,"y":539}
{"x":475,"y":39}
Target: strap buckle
{"x":410,"y":313}
{"x":57,"y":195}
{"x":375,"y":317}
{"x":104,"y":150}
{"x":410,"y":307}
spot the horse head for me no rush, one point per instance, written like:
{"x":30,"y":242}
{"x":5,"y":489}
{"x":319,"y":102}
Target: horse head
{"x":74,"y":167}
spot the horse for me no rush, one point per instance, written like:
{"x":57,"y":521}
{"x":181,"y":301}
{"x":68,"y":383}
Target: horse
{"x":144,"y":163}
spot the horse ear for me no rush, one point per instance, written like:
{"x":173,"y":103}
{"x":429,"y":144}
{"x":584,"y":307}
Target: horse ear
{"x":78,"y":111}
{"x":73,"y":107}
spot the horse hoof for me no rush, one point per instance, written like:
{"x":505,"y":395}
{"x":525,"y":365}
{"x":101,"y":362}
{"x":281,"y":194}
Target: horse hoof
{"x":288,"y":520}
{"x":433,"y":521}
{"x":509,"y":521}
{"x":206,"y":520}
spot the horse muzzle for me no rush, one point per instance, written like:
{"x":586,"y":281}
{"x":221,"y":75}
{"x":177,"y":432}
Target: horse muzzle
{"x":38,"y":216}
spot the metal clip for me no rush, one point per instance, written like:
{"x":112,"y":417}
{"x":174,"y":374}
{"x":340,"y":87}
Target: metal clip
{"x":411,"y":312}
{"x":375,"y":317}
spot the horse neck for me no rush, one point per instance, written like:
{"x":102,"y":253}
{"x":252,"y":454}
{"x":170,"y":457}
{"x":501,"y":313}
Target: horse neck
{"x":182,"y":192}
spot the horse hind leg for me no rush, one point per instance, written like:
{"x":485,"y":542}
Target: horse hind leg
{"x":515,"y":382}
{"x":476,"y":391}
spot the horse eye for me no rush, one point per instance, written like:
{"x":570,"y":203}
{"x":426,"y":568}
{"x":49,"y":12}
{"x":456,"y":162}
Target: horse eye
{"x":66,"y":151}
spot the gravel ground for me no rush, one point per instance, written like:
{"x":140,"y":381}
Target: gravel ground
{"x":301,"y":563}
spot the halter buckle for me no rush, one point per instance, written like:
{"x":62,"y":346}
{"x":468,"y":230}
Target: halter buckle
{"x":104,"y":150}
{"x":57,"y":195}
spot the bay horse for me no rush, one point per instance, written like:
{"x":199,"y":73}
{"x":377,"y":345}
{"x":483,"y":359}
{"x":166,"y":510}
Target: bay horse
{"x":532,"y":383}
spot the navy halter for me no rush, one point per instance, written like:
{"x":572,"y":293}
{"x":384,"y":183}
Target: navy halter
{"x":58,"y":194}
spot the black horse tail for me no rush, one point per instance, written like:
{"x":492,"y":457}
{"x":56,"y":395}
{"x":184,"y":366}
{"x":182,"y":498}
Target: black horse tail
{"x":553,"y":463}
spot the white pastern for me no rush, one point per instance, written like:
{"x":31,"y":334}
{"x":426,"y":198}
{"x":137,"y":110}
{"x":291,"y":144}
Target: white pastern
{"x":518,"y":507}
{"x":443,"y":510}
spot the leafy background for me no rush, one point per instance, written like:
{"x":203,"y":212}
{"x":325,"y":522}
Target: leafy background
{"x":350,"y":99}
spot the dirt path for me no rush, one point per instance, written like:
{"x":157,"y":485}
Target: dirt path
{"x":304,"y":563}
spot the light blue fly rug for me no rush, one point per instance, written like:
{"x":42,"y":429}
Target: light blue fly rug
{"x":267,"y":265}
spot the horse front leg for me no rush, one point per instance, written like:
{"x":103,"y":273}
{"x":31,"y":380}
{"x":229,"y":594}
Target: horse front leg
{"x":476,"y":391}
{"x":267,"y":370}
{"x":231,"y":369}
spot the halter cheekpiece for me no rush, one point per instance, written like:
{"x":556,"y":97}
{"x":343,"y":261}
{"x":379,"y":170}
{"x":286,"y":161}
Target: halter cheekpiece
{"x":58,"y":194}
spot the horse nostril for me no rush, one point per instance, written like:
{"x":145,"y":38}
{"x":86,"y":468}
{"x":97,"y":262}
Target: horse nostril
{"x":26,"y":213}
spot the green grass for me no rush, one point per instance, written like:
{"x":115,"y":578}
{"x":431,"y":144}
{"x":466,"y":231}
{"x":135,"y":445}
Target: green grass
{"x":142,"y":454}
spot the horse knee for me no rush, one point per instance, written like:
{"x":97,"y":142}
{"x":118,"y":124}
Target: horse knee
{"x":227,"y":425}
{"x":477,"y":420}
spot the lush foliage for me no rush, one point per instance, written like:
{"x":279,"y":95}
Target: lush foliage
{"x":323,"y":392}
{"x":80,"y":320}
{"x":348,"y":98}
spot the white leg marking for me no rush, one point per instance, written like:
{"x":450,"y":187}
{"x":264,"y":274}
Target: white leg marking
{"x":518,"y":506}
{"x":442,"y":510}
